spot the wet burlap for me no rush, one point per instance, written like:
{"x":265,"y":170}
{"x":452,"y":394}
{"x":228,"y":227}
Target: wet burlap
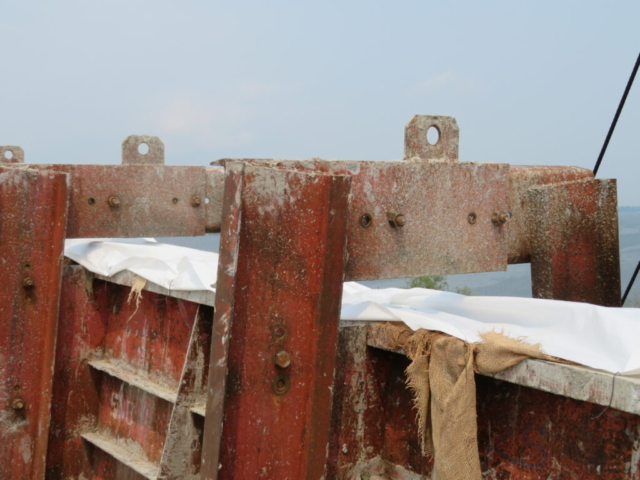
{"x":441,"y":376}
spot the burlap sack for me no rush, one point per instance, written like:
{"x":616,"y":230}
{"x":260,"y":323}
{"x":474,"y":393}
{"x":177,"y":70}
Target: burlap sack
{"x":441,"y":376}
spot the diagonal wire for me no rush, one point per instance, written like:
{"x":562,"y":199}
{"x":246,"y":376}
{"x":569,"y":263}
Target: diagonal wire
{"x":617,"y":115}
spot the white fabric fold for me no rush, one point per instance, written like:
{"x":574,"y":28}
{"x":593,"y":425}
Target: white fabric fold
{"x":598,"y":337}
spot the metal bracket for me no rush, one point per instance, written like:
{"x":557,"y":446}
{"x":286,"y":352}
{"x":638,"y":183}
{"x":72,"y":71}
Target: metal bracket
{"x":11,"y":154}
{"x":418,"y":148}
{"x":131,"y":152}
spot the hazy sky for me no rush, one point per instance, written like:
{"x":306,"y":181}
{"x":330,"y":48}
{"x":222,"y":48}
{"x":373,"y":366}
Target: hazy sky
{"x":534,"y":83}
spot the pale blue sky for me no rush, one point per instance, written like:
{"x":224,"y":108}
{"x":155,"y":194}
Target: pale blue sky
{"x":534,"y":83}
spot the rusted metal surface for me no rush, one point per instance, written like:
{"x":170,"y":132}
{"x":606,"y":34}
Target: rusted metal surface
{"x":131,"y":150}
{"x":521,"y":179}
{"x":435,"y":200}
{"x":418,"y":148}
{"x":126,"y":376}
{"x":152,"y":200}
{"x":11,"y":154}
{"x":33,"y":213}
{"x":214,"y":192}
{"x":279,"y":287}
{"x":182,"y":453}
{"x":225,"y":298}
{"x":573,"y":230}
{"x":358,"y":416}
{"x":522,"y":432}
{"x":526,"y":433}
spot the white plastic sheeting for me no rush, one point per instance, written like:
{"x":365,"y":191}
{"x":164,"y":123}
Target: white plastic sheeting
{"x":598,"y":337}
{"x":171,"y":267}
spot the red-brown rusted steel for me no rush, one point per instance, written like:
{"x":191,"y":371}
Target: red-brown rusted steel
{"x":286,"y":297}
{"x":33,"y":214}
{"x":213,"y":200}
{"x":523,"y":433}
{"x":225,"y":298}
{"x":134,"y":200}
{"x":447,"y":210}
{"x":521,"y":179}
{"x":573,"y":230}
{"x":118,"y":370}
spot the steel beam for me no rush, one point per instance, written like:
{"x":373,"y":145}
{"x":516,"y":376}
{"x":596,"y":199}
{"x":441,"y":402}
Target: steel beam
{"x":33,"y":215}
{"x":277,"y":313}
{"x":573,"y":232}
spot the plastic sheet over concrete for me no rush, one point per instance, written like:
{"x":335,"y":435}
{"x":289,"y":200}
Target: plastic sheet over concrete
{"x":598,"y":337}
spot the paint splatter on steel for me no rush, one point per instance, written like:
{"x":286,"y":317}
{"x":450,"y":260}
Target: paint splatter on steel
{"x":33,"y":211}
{"x":286,"y":295}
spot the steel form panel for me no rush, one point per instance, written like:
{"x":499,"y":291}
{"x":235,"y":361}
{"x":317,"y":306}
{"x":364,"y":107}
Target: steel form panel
{"x":133,"y":200}
{"x":447,"y":214}
{"x":279,"y":290}
{"x":33,"y":208}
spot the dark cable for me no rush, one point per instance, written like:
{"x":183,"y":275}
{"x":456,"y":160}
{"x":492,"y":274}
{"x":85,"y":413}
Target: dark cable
{"x":615,"y":119}
{"x":633,"y":279}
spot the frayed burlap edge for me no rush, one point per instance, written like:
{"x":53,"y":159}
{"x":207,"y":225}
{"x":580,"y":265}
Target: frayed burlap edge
{"x":441,"y":377}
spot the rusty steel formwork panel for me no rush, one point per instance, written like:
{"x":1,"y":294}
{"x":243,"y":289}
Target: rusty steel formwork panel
{"x":573,"y":230}
{"x":521,"y":179}
{"x":33,"y":208}
{"x":135,"y":200}
{"x":419,"y":218}
{"x":128,"y":399}
{"x":277,"y":314}
{"x":523,"y":433}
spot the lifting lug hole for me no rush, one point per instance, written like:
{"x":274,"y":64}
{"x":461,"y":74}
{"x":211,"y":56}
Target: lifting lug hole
{"x":366,"y":220}
{"x":91,"y":201}
{"x":175,"y":200}
{"x":433,"y":135}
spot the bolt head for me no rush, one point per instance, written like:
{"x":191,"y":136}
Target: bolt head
{"x":18,"y":404}
{"x":28,"y":282}
{"x":499,"y":218}
{"x":282,"y":359}
{"x":196,"y":201}
{"x":400,"y":220}
{"x":114,"y":201}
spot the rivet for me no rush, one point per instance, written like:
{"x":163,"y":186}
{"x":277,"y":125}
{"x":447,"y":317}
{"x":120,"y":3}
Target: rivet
{"x":28,"y":282}
{"x":282,"y":359}
{"x":18,"y":403}
{"x":195,"y":201}
{"x":114,"y":201}
{"x":471,"y":218}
